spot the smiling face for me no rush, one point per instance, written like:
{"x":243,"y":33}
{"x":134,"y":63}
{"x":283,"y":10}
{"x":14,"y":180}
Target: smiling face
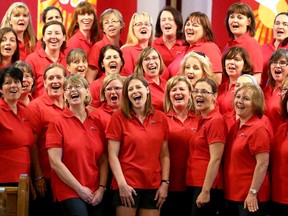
{"x":180,"y":95}
{"x":19,"y":19}
{"x":167,"y":24}
{"x":78,"y":66}
{"x":234,"y":66}
{"x":11,"y":89}
{"x":75,"y":94}
{"x":280,"y":28}
{"x":193,"y":70}
{"x":142,"y":29}
{"x":85,"y":21}
{"x":113,"y":93}
{"x":238,"y":24}
{"x":53,"y":37}
{"x":111,"y":62}
{"x":279,"y":73}
{"x":193,"y":30}
{"x":8,"y":45}
{"x":243,"y":105}
{"x":27,"y":83}
{"x":54,"y":82}
{"x":112,"y":26}
{"x":137,"y":94}
{"x":151,"y":64}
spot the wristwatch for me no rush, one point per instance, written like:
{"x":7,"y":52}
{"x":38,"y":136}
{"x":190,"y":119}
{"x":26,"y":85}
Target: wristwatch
{"x":253,"y":191}
{"x":166,"y":181}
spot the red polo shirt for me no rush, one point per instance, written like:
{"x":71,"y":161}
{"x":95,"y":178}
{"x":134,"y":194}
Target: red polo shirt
{"x":130,"y":55}
{"x":39,"y":61}
{"x":95,"y":88}
{"x":140,"y":147}
{"x":239,"y":159}
{"x":16,"y":141}
{"x":225,"y":97}
{"x":41,"y":112}
{"x":168,"y":55}
{"x":179,"y":136}
{"x":103,"y":113}
{"x":78,"y":40}
{"x":211,"y":129}
{"x":81,"y":152}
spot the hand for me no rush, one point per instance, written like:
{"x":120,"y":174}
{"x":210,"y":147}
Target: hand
{"x":161,"y":194}
{"x":98,"y":196}
{"x":40,"y":186}
{"x":202,"y":199}
{"x":126,"y":196}
{"x":251,"y":202}
{"x":85,"y":194}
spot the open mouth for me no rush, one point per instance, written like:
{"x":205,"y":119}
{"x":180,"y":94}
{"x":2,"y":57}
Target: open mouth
{"x":14,"y":91}
{"x":179,"y":98}
{"x":190,"y":33}
{"x":74,"y":96}
{"x":56,"y":87}
{"x":235,"y":26}
{"x":114,"y":98}
{"x":113,"y":65}
{"x":7,"y":48}
{"x":190,"y":77}
{"x":143,"y":31}
{"x":278,"y":71}
{"x":137,"y":98}
{"x":199,"y":101}
{"x":81,"y":70}
{"x":168,"y":27}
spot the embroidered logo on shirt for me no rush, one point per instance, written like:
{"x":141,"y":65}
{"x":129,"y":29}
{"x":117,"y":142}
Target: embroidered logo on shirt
{"x":242,"y":135}
{"x":155,"y":122}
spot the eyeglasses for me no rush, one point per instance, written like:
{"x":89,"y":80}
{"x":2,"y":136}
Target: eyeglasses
{"x":76,"y":87}
{"x":153,"y":58}
{"x":281,"y":64}
{"x":116,"y":88}
{"x":139,"y":24}
{"x":108,"y":22}
{"x":202,"y":92}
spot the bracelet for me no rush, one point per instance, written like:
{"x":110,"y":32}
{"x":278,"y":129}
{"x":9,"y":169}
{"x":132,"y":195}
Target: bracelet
{"x":103,"y":186}
{"x":38,"y":178}
{"x":165,"y":181}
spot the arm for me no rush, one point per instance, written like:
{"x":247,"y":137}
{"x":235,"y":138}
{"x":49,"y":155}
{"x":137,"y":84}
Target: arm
{"x":216,"y":152}
{"x":55,"y":157}
{"x":103,"y":165}
{"x":124,"y":189}
{"x":217,"y":77}
{"x":257,"y":77}
{"x":91,"y":74}
{"x":162,"y":191}
{"x":262,"y":161}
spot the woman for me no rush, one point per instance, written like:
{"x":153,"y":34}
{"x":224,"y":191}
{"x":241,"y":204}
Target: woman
{"x":111,"y":24}
{"x":41,"y":111}
{"x":78,"y":179}
{"x":240,"y":25}
{"x":14,"y":123}
{"x":138,"y":152}
{"x":9,"y":50}
{"x":110,"y":62}
{"x":169,"y":35}
{"x":28,"y":82}
{"x":140,"y":35}
{"x":277,"y":71}
{"x":110,"y":97}
{"x":279,"y":164}
{"x":19,"y":18}
{"x":77,"y":62}
{"x":151,"y":66}
{"x":206,"y":146}
{"x":180,"y":114}
{"x":195,"y":66}
{"x":83,"y":31}
{"x":235,"y":62}
{"x":52,"y":50}
{"x":280,"y":32}
{"x":246,"y":156}
{"x":199,"y":37}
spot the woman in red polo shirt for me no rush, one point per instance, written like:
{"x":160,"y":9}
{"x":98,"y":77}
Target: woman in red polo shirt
{"x":15,"y":130}
{"x":138,"y":152}
{"x":83,"y":31}
{"x":79,"y":163}
{"x":204,"y":169}
{"x":150,"y":65}
{"x":180,"y":114}
{"x":240,"y":24}
{"x":246,"y":157}
{"x":279,"y":178}
{"x":9,"y":51}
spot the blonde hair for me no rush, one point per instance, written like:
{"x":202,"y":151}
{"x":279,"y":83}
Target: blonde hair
{"x":106,"y":81}
{"x":131,"y":38}
{"x":29,"y":32}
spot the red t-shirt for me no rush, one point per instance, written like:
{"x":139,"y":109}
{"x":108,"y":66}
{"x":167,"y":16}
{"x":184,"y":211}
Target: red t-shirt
{"x":239,"y":159}
{"x":211,"y":129}
{"x":81,"y":153}
{"x":140,"y":148}
{"x":168,"y":55}
{"x":16,"y":141}
{"x":279,"y":165}
{"x":95,"y":88}
{"x":130,"y":55}
{"x":78,"y":40}
{"x":225,"y":97}
{"x":178,"y":142}
{"x":39,"y":61}
{"x":252,"y":47}
{"x":41,"y":112}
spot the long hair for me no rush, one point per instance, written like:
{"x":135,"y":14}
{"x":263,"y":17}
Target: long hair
{"x":16,"y":54}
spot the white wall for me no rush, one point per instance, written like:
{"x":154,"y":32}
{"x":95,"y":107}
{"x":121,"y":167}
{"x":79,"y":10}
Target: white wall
{"x":151,"y":6}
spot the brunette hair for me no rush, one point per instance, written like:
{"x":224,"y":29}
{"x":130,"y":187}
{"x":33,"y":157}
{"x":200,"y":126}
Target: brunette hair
{"x":16,"y":54}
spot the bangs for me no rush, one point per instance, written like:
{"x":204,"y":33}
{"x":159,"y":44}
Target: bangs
{"x":142,"y":18}
{"x":20,"y":10}
{"x":195,"y":19}
{"x":83,"y":9}
{"x":77,"y":56}
{"x":239,"y":9}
